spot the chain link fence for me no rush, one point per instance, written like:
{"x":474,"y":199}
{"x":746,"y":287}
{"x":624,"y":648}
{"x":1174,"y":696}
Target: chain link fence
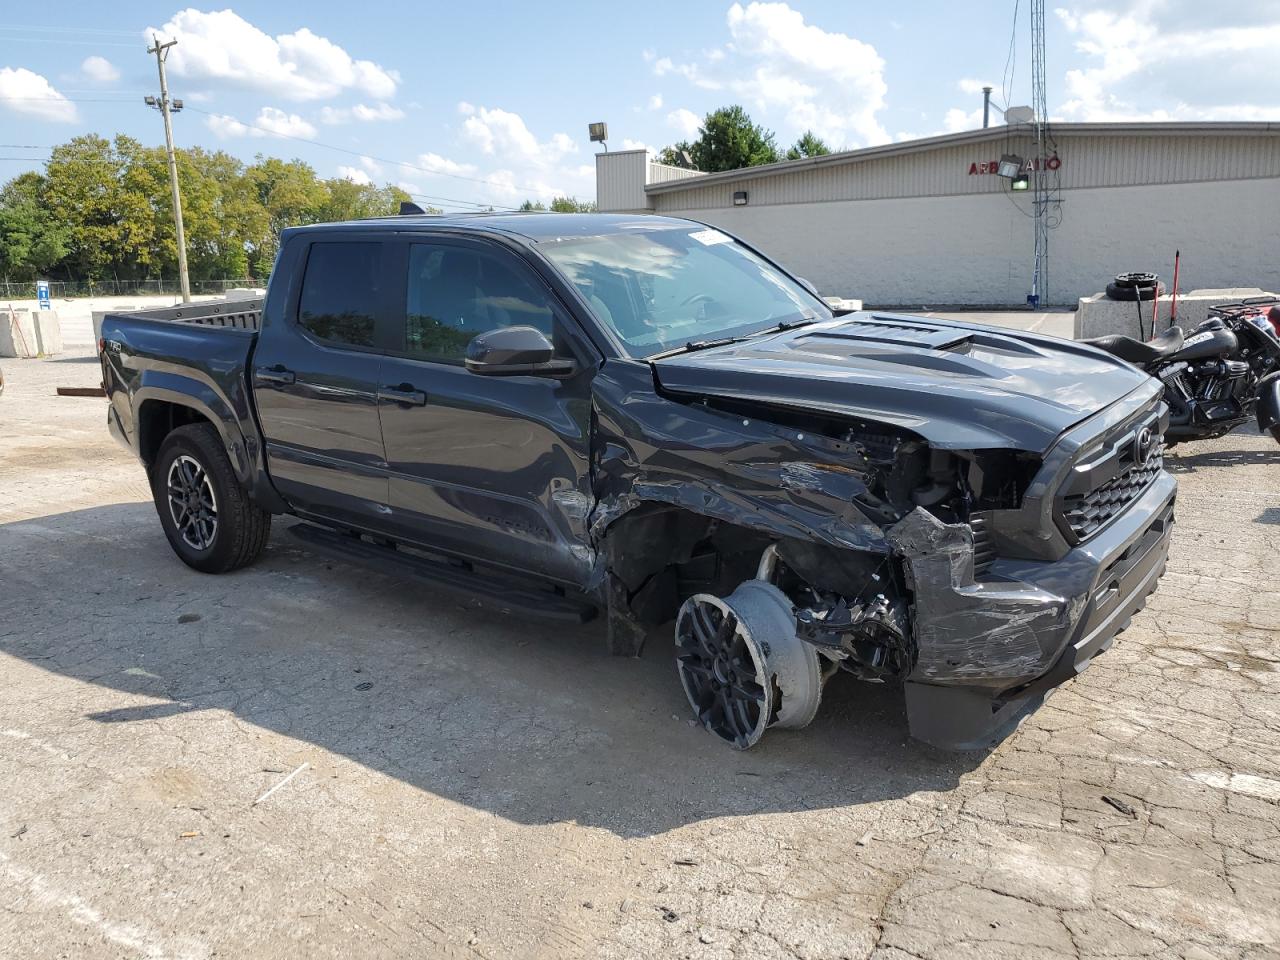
{"x":62,"y":289}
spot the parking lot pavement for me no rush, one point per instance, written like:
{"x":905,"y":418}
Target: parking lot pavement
{"x":305,"y":759}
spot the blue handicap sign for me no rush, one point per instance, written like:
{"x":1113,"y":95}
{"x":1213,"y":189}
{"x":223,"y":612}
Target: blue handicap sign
{"x":42,"y":294}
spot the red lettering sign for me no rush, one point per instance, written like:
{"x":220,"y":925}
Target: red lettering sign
{"x":1036,"y":163}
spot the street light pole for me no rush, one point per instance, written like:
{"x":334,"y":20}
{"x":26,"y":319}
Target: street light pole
{"x":161,"y":50}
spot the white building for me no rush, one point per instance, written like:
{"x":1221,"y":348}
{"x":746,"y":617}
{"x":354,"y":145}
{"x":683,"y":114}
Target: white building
{"x":929,"y":222}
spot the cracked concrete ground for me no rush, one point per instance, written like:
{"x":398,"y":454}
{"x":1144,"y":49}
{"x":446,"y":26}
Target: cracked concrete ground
{"x":476,"y":786}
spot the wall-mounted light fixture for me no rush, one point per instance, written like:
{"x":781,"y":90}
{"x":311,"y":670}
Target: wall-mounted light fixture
{"x":1010,"y":165}
{"x":739,"y":198}
{"x":599,"y":133}
{"x":1020,"y":182}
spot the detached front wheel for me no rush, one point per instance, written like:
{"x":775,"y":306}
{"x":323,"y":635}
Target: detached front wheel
{"x":206,"y":514}
{"x":742,"y":666}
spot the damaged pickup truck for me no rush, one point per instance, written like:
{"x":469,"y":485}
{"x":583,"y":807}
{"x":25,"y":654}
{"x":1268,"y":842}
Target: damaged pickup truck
{"x":647,"y":418}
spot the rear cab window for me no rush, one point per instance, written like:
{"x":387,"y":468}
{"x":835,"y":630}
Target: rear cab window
{"x":340,"y":292}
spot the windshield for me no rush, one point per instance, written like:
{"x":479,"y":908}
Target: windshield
{"x":661,"y":290}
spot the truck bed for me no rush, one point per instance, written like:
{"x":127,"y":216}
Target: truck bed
{"x":230,"y":314}
{"x":237,"y":314}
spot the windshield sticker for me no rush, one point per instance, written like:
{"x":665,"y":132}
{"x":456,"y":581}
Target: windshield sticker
{"x":710,"y":237}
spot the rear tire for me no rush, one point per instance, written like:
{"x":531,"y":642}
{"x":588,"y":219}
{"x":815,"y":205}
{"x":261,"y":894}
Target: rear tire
{"x":206,"y":514}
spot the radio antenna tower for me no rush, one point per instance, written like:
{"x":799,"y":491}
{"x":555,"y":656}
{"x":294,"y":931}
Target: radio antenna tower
{"x":1039,"y":175}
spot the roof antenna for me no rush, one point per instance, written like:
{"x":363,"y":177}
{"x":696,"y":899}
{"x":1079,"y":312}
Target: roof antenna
{"x":408,"y":207}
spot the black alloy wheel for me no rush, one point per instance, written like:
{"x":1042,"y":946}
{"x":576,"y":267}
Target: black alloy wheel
{"x":192,"y":502}
{"x":721,"y":673}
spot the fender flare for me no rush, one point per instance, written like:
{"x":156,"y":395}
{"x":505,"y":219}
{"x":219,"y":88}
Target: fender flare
{"x":165,"y":387}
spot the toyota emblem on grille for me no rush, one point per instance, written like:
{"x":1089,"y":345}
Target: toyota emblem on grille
{"x":1143,"y":445}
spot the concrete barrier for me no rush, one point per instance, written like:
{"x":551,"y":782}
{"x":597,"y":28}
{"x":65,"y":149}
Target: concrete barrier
{"x":29,"y":333}
{"x":1098,"y":316}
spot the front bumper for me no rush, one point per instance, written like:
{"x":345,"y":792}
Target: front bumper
{"x":989,"y":651}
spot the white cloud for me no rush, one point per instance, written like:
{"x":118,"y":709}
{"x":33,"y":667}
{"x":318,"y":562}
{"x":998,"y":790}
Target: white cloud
{"x":655,"y":102}
{"x":690,"y":71}
{"x":500,"y":132}
{"x":518,"y":164}
{"x":1170,"y":60}
{"x":969,"y":85}
{"x":276,"y":121}
{"x":380,"y":111}
{"x":270,"y":121}
{"x":99,"y":70}
{"x":629,"y":144}
{"x":355,"y":175}
{"x":957,"y":119}
{"x":794,"y":74}
{"x":434,"y":163}
{"x":25,"y":92}
{"x":222,"y":46}
{"x":685,"y":121}
{"x":829,"y":82}
{"x":225,"y":127}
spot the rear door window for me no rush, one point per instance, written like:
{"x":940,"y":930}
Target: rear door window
{"x":340,"y":291}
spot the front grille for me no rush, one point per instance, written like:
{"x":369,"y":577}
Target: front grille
{"x":1087,"y":513}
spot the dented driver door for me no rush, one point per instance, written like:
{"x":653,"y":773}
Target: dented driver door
{"x":495,"y":468}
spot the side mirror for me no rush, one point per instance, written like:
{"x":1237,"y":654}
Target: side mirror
{"x":514,"y":352}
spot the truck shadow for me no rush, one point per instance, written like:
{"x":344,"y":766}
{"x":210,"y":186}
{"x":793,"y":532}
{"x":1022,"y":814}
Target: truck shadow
{"x":533,"y":722}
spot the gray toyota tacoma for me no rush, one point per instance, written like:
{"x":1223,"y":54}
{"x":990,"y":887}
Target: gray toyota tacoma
{"x":647,"y":418}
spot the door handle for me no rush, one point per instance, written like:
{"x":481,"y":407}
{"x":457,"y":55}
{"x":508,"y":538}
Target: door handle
{"x":276,"y":374}
{"x":403,"y":394}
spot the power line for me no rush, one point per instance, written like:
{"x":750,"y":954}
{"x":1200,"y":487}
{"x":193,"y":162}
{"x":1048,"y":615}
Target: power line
{"x":71,"y":99}
{"x":1011,"y":60}
{"x":80,"y":43}
{"x":56,"y":29}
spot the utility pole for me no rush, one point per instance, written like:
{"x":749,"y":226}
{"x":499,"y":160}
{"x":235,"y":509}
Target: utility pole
{"x":986,"y":107}
{"x":161,"y":50}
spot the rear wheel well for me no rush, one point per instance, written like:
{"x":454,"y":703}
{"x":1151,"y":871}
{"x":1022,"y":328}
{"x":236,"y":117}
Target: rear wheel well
{"x":159,"y":418}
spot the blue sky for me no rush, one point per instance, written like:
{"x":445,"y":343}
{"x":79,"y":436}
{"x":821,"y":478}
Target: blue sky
{"x":489,"y":102}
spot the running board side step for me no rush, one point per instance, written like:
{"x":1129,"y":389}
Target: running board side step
{"x":502,"y":592}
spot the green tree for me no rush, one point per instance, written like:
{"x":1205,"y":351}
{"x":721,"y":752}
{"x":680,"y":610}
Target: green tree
{"x":103,"y":209}
{"x":532,"y":206}
{"x":349,"y":200}
{"x":32,"y":242}
{"x":809,"y":145}
{"x":83,"y":191}
{"x":572,"y":205}
{"x":727,"y":140}
{"x":291,"y":195}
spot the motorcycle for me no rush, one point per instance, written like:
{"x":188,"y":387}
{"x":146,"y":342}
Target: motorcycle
{"x":1226,"y":371}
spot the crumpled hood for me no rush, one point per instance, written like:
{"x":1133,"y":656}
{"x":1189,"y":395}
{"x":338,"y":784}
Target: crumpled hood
{"x":960,"y":386}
